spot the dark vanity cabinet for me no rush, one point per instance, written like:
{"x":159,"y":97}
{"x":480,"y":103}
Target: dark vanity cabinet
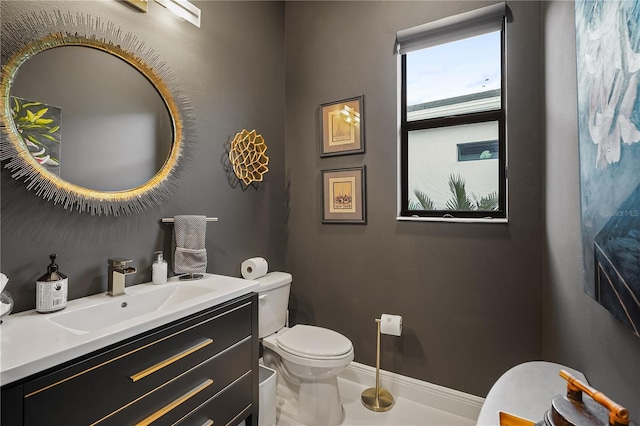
{"x":199,"y":370}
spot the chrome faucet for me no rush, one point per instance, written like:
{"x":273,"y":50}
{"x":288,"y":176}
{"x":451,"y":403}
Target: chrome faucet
{"x":118,"y":270}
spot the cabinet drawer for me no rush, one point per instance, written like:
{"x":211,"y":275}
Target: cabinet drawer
{"x":224,"y":407}
{"x":172,"y":401}
{"x":87,"y":391}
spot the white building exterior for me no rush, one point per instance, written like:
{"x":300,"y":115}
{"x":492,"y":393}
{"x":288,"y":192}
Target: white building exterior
{"x":433,"y":153}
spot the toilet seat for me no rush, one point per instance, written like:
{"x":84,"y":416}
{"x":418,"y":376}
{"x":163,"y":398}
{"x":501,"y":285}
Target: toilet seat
{"x":303,"y":357}
{"x":315,"y":343}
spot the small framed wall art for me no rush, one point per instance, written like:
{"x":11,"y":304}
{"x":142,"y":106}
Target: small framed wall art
{"x":344,"y":195}
{"x":342,"y":127}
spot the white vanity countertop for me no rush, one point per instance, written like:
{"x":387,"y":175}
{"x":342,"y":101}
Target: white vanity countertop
{"x":31,"y":342}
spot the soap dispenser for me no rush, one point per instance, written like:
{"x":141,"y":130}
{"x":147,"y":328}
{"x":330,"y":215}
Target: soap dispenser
{"x":159,"y":269}
{"x":51,"y":289}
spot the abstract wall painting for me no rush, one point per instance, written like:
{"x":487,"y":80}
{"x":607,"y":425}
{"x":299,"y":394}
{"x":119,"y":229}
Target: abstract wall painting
{"x":608,"y":67}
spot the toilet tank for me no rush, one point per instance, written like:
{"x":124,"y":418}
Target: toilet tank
{"x":273,"y":300}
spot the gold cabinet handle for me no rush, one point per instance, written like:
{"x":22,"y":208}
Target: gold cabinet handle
{"x":164,"y":410}
{"x":207,"y":423}
{"x":168,"y":361}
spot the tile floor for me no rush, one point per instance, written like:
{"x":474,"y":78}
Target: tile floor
{"x":403,"y":413}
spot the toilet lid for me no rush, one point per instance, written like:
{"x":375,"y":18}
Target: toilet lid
{"x":314,"y":341}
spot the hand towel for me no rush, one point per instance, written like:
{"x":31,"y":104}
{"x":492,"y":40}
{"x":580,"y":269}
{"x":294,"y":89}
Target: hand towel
{"x":189,"y":235}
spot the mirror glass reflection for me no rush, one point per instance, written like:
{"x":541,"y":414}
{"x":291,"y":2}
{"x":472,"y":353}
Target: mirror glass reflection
{"x":91,"y":118}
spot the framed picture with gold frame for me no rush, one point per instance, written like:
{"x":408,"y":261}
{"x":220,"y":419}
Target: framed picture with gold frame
{"x":342,"y":127}
{"x":344,"y":195}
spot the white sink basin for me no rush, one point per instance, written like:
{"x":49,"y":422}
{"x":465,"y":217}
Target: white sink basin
{"x":31,"y":342}
{"x":126,"y":307}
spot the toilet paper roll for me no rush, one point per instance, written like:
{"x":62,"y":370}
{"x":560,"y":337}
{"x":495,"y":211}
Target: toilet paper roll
{"x":391,"y":324}
{"x":254,"y":267}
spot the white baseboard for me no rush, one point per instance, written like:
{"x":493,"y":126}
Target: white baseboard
{"x":445,"y":399}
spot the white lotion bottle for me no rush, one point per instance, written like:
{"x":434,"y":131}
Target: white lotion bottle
{"x":159,"y":269}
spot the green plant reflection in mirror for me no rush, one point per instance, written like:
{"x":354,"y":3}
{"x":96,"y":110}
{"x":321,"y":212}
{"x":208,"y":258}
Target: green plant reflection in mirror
{"x":39,"y":127}
{"x":26,"y":44}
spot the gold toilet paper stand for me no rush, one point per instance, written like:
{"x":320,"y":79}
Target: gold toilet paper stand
{"x":377,"y":399}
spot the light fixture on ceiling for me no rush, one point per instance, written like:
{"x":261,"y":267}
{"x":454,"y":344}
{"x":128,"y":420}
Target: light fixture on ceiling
{"x":183,"y":9}
{"x":141,"y":5}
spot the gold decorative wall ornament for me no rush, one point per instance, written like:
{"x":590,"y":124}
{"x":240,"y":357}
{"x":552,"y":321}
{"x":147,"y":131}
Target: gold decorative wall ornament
{"x":247,"y":155}
{"x":35,"y":33}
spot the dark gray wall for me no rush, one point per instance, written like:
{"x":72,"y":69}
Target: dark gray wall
{"x":232,"y":71}
{"x":577,"y":331}
{"x":470,"y":294}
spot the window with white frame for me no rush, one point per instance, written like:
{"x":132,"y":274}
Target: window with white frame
{"x":452,"y":117}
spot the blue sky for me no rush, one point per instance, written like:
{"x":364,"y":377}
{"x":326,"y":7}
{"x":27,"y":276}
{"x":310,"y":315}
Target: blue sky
{"x":452,"y":69}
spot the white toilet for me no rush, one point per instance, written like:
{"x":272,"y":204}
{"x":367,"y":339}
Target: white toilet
{"x":306,"y":358}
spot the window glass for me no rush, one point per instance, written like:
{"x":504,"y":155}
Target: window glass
{"x":438,"y":180}
{"x":452,"y":129}
{"x":474,"y":151}
{"x":452,"y":78}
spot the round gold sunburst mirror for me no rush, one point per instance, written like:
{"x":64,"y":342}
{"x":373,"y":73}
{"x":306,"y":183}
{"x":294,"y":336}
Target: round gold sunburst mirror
{"x":91,"y":118}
